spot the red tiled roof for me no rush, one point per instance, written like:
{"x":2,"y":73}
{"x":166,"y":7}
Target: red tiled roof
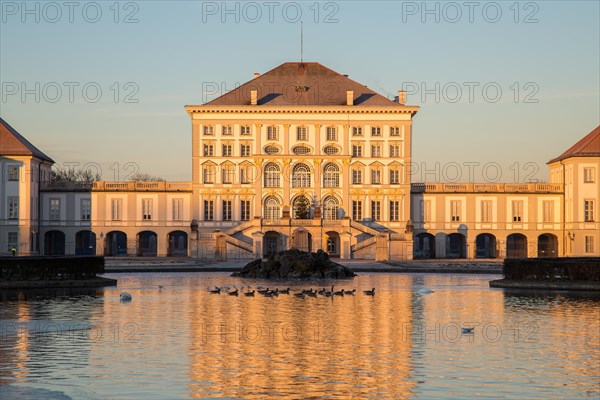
{"x":302,"y":84}
{"x":589,"y":146}
{"x":13,"y":144}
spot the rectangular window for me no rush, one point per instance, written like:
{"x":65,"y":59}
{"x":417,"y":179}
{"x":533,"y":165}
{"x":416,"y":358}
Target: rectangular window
{"x":13,"y":207}
{"x":394,"y":131}
{"x":548,"y":211}
{"x":245,"y":176}
{"x":227,"y":174}
{"x":331,"y":133}
{"x":227,"y":215}
{"x":589,"y":175}
{"x":426,"y":210}
{"x":226,"y":130}
{"x":376,"y":210}
{"x":394,"y":211}
{"x":245,"y":130}
{"x":375,"y":150}
{"x":589,"y":244}
{"x":208,"y":150}
{"x":227,"y":150}
{"x":208,"y":174}
{"x":588,"y":210}
{"x":376,"y":177}
{"x":517,"y":211}
{"x":13,"y":240}
{"x":177,"y":209}
{"x":147,"y":209}
{"x":271,"y":133}
{"x":54,"y":209}
{"x":486,"y":211}
{"x":375,"y":131}
{"x":301,"y":133}
{"x":13,"y":173}
{"x":86,"y":209}
{"x":357,"y":150}
{"x":394,"y":150}
{"x":245,"y":208}
{"x":357,"y":210}
{"x":357,"y":176}
{"x":394,"y":177}
{"x":357,"y":131}
{"x":455,"y":210}
{"x":245,"y":150}
{"x":116,"y":208}
{"x":208,"y":210}
{"x":209,"y":130}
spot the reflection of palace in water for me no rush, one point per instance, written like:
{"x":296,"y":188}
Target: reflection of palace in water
{"x":304,"y":157}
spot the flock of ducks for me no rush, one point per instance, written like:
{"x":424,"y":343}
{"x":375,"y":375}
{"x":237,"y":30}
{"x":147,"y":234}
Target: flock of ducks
{"x":266,"y":292}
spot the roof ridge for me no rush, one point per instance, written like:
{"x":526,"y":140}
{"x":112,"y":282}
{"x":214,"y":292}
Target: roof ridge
{"x":579,"y":149}
{"x":24,"y":146}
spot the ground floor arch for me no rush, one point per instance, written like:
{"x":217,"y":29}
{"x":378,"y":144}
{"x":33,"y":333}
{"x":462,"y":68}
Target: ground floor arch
{"x":302,"y":240}
{"x":272,"y":243}
{"x":485,"y":246}
{"x":424,"y":246}
{"x":178,"y":244}
{"x":54,"y":243}
{"x":456,"y":246}
{"x":147,"y":244}
{"x":333,"y":243}
{"x":85,"y":243}
{"x":516,"y":246}
{"x":547,"y":245}
{"x":116,"y":244}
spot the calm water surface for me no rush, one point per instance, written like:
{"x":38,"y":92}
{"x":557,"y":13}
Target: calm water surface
{"x":182,"y":342}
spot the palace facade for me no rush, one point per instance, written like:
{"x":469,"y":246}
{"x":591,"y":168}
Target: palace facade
{"x":302,"y":157}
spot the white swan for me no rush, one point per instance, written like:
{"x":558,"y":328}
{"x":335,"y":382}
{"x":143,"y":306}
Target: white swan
{"x":425,"y":291}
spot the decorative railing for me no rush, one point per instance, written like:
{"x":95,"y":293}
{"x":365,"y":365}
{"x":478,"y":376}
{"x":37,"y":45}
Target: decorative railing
{"x":239,"y":228}
{"x":487,"y":188}
{"x":364,"y":228}
{"x":142,"y":186}
{"x":365,"y":243}
{"x":240,"y":243}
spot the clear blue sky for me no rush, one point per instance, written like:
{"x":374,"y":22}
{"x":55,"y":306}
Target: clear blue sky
{"x":549,"y":49}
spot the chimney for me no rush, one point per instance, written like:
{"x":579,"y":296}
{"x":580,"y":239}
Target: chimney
{"x":254,"y":97}
{"x":256,"y":75}
{"x":401,"y":97}
{"x":349,"y":97}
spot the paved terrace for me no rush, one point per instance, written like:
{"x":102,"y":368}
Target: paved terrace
{"x":151,"y":264}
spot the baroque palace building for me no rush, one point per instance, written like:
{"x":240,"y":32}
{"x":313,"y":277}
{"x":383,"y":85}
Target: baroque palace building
{"x":302,"y":157}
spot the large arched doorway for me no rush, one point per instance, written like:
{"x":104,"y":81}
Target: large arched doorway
{"x":302,"y":239}
{"x":333,"y":244}
{"x":116,"y":244}
{"x":301,"y":207}
{"x":547,"y":245}
{"x":272,"y":243}
{"x":455,"y":246}
{"x":516,"y":246}
{"x":485,"y":246}
{"x":331,"y":207}
{"x":54,"y":243}
{"x":424,"y":245}
{"x":85,"y":243}
{"x":178,"y":244}
{"x":146,"y":244}
{"x":272,"y":208}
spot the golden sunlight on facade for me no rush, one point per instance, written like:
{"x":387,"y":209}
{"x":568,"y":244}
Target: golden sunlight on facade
{"x":302,"y":157}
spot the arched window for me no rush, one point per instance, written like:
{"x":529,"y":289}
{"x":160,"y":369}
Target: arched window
{"x":331,"y":176}
{"x":272,"y":175}
{"x":272,"y":208}
{"x":301,"y":176}
{"x":330,"y":208}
